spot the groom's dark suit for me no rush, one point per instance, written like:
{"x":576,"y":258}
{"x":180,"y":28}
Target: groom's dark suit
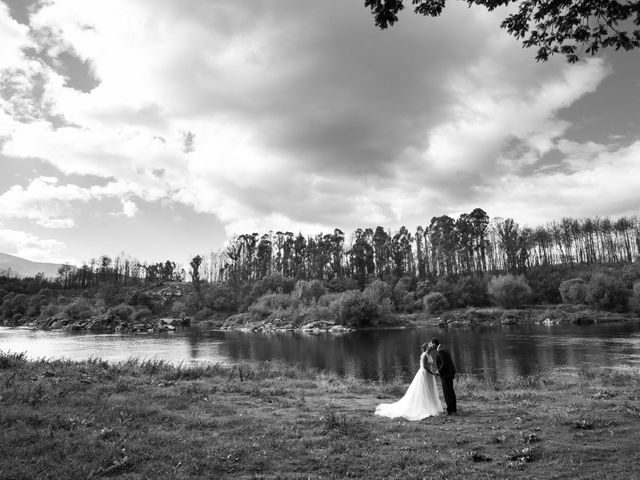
{"x":446,"y":370}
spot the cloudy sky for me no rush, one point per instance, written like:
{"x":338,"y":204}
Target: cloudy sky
{"x":160,"y":128}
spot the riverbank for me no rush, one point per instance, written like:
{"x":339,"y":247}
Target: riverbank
{"x":539,"y":314}
{"x":152,"y":420}
{"x":469,"y":317}
{"x":78,"y":317}
{"x":157,"y":308}
{"x":165,"y":306}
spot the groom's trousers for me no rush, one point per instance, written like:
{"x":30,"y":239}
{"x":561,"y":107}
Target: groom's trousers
{"x":449,"y":394}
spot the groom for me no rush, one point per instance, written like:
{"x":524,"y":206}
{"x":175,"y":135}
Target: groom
{"x":447,"y":370}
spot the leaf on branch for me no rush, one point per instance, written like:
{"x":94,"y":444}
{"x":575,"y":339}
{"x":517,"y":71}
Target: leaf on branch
{"x":553,"y":26}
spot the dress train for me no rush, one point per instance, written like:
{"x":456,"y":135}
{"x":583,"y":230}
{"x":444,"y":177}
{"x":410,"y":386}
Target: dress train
{"x":421,"y":399}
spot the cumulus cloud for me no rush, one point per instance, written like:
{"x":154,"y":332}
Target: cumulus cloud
{"x":305,"y":117}
{"x":129,"y":208}
{"x":594,"y":181}
{"x":30,"y":246}
{"x":494,"y":128}
{"x":43,"y":201}
{"x":13,"y":38}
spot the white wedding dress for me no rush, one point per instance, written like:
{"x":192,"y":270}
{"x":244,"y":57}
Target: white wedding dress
{"x":420,"y":401}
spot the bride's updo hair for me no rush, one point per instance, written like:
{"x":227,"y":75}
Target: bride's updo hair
{"x":425,"y":346}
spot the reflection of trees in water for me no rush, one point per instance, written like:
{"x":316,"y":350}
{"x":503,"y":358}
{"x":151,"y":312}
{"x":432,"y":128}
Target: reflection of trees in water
{"x":374,"y":355}
{"x":509,"y":352}
{"x":496,"y":353}
{"x":194,"y":339}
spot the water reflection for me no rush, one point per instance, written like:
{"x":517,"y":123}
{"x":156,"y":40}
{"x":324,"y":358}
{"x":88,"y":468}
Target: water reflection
{"x":492,"y":352}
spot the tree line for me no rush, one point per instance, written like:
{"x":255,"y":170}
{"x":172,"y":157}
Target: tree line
{"x":471,"y":244}
{"x":471,"y":261}
{"x":120,"y":270}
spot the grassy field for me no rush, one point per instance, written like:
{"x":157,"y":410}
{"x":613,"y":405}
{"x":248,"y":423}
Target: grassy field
{"x":266,"y":421}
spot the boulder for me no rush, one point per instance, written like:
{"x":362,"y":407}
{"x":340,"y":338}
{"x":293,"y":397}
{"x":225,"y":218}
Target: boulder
{"x":316,"y":326}
{"x":340,"y":329}
{"x":182,"y":320}
{"x":58,"y":324}
{"x":73,"y":328}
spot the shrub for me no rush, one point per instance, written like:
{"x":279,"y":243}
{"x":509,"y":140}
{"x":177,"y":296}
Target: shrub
{"x":122,"y":311}
{"x":545,"y":285}
{"x":46,"y":292}
{"x":380,"y":294}
{"x":272,"y":284}
{"x":423,"y":287}
{"x":79,"y":310}
{"x":51,"y":310}
{"x":378,"y":291}
{"x":450,"y":290}
{"x":179,"y":307}
{"x":220,"y":298}
{"x":472,"y":292}
{"x":354,"y":309}
{"x":410,"y":304}
{"x":327,"y":299}
{"x":573,"y":291}
{"x":14,"y":306}
{"x":140,"y":298}
{"x":141,"y":314}
{"x":509,"y":291}
{"x":400,"y":299}
{"x":192,"y":302}
{"x":110,"y":294}
{"x":435,"y":302}
{"x":634,"y":301}
{"x":271,"y":302}
{"x":37,"y":303}
{"x":62,"y":300}
{"x":203,"y":314}
{"x":341,"y":284}
{"x":630,"y":274}
{"x":607,"y":293}
{"x":307,"y":292}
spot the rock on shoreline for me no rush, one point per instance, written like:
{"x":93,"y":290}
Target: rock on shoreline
{"x":539,"y":315}
{"x":246,"y":323}
{"x":470,"y":317}
{"x":109,"y":323}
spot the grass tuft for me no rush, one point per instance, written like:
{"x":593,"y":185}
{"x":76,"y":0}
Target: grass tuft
{"x":10,"y":359}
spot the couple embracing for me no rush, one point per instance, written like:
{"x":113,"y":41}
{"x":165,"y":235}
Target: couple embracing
{"x":421,"y":399}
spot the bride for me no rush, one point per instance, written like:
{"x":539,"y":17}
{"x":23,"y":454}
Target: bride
{"x":421,"y":399}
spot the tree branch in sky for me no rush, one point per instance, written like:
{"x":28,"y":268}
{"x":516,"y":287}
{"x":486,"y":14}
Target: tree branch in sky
{"x":568,"y":27}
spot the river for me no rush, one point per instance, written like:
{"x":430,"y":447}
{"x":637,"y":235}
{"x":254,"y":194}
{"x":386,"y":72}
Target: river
{"x":496,"y":353}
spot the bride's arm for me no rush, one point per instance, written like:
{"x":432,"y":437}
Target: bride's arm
{"x":427,"y":362}
{"x":431,"y":365}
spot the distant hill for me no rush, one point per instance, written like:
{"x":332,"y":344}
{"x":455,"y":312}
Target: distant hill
{"x":21,"y":267}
